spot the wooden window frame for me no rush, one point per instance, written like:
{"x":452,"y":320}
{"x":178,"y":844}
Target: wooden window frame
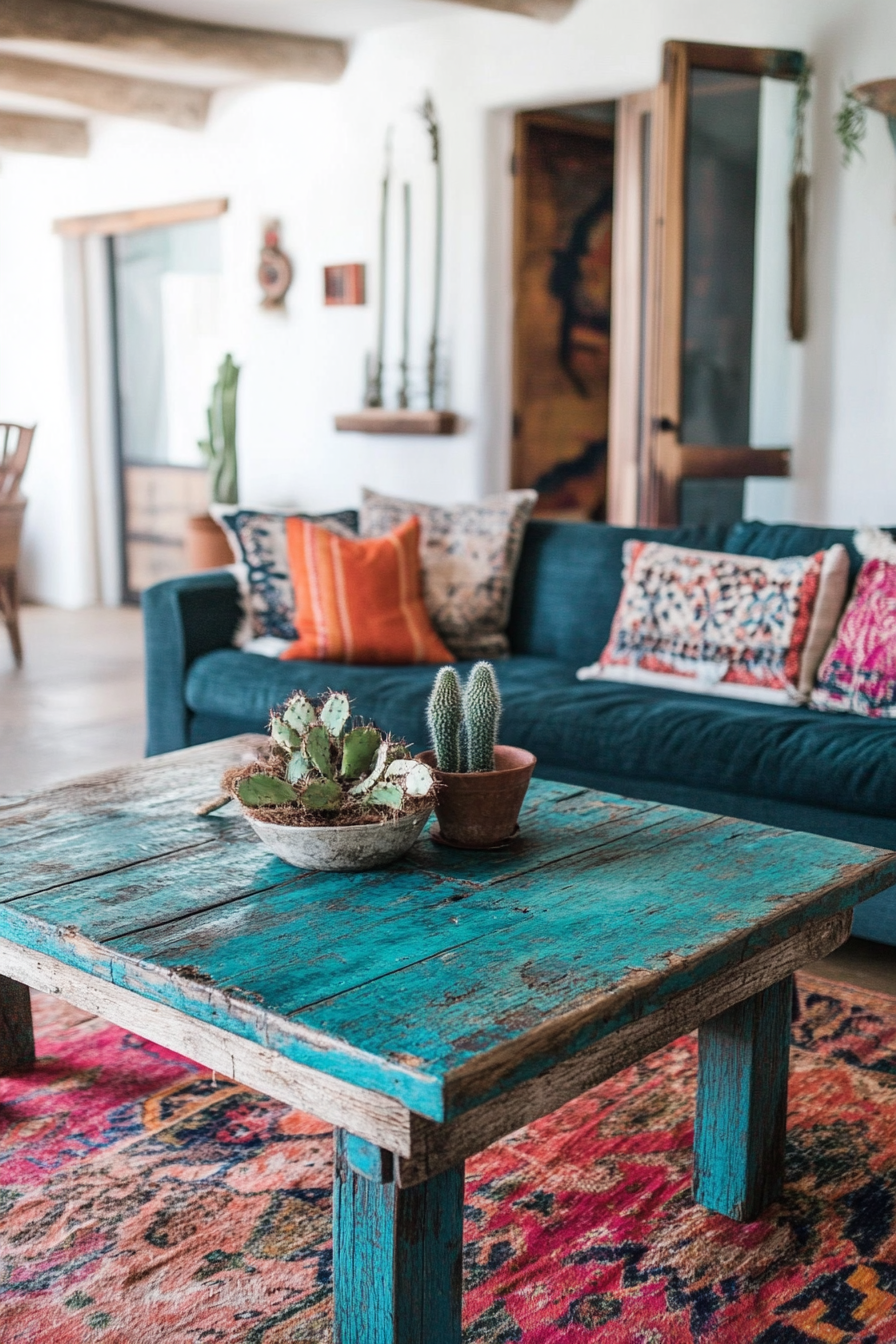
{"x":669,"y":461}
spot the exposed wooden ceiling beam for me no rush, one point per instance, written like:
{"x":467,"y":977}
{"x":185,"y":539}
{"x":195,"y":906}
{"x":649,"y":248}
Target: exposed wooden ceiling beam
{"x":253,"y":51}
{"x":120,"y":95}
{"x":552,"y":10}
{"x":43,"y":135}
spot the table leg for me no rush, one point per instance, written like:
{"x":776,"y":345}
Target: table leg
{"x":742,"y":1104}
{"x":397,"y":1265}
{"x":16,"y":1031}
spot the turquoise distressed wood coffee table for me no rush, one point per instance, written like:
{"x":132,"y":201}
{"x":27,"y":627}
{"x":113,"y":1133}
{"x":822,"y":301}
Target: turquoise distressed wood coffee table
{"x":432,"y":1007}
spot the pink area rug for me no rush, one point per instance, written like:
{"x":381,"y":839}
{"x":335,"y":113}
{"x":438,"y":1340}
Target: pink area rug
{"x":142,"y":1201}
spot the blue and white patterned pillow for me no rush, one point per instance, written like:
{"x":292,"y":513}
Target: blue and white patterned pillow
{"x":258,"y":541}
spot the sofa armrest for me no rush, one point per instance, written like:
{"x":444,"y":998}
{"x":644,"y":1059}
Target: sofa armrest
{"x":182,"y":619}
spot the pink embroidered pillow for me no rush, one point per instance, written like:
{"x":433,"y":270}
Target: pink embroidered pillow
{"x":858,"y":673}
{"x":715,"y":623}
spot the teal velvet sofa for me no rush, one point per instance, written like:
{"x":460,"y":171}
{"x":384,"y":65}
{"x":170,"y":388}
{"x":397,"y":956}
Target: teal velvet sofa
{"x":829,"y":774}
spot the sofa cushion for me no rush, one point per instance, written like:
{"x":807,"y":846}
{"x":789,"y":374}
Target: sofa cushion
{"x":774,"y":541}
{"x":733,"y":746}
{"x":243,"y":688}
{"x":569,"y":581}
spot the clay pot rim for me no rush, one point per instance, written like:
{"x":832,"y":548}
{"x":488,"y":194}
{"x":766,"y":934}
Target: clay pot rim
{"x":529,"y":761}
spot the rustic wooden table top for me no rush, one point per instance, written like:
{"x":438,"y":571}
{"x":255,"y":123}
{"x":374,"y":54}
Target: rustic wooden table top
{"x":441,"y":981}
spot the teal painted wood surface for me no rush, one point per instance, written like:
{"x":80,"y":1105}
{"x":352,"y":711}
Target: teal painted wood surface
{"x":397,"y":1254}
{"x":440,"y":981}
{"x":741,"y":1118}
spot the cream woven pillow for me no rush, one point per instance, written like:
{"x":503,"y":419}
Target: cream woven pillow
{"x":468,"y":556}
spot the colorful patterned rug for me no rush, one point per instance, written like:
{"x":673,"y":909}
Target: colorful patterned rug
{"x":142,"y":1200}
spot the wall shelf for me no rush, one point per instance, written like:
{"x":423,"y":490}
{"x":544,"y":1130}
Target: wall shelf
{"x":380,"y":421}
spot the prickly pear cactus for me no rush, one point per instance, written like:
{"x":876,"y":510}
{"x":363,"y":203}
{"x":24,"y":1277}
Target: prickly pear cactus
{"x":445,"y":712}
{"x":481,"y":712}
{"x":322,"y":763}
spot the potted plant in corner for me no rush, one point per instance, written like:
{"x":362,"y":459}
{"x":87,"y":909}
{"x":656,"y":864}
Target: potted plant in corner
{"x":480,"y":786}
{"x":331,"y":793}
{"x":207,"y":544}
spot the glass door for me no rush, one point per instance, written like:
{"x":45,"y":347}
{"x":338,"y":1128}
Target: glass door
{"x":719,"y":361}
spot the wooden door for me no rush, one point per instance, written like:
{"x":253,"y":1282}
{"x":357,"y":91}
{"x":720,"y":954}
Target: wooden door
{"x":563,"y":242}
{"x":699,"y":287}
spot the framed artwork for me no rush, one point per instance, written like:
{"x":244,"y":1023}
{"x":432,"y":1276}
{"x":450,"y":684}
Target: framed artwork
{"x":344,"y":284}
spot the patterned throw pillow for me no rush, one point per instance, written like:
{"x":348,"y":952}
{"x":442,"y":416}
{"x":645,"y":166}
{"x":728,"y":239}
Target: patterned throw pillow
{"x":858,"y":673}
{"x":258,"y":541}
{"x":360,"y":601}
{"x":713,"y":623}
{"x":469,"y":554}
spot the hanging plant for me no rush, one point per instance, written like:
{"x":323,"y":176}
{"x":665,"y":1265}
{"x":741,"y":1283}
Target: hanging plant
{"x":850,"y":125}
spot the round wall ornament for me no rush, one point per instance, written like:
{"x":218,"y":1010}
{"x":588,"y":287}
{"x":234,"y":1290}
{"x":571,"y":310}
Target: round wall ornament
{"x":274,"y":269}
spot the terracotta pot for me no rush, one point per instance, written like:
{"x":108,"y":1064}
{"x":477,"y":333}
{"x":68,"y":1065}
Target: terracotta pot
{"x":206,"y":544}
{"x":479,"y":810}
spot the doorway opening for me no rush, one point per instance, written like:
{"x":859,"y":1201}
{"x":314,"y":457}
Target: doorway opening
{"x":168,"y":341}
{"x":564,"y":165}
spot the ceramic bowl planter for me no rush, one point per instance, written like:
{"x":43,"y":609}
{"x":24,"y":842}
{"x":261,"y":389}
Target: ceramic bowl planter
{"x":481,"y":810}
{"x":341,"y":849}
{"x":330,"y":792}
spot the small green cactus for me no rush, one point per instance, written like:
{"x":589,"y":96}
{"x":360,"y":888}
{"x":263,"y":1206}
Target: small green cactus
{"x":445,"y":714}
{"x":465,"y":719}
{"x":482,"y":710}
{"x":321,"y":763}
{"x":219,"y":448}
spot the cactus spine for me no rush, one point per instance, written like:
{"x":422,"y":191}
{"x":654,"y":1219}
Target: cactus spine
{"x":482,"y":710}
{"x":445,"y":712}
{"x":219,"y":448}
{"x":320,"y":763}
{"x":464,"y":724}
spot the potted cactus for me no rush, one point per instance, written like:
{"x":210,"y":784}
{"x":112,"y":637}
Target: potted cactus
{"x":207,"y":545}
{"x":481,"y":786}
{"x":332,"y":792}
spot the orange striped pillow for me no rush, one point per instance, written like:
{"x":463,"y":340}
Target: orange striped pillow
{"x":360,"y":601}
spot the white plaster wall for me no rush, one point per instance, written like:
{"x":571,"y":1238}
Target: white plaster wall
{"x":312,"y":156}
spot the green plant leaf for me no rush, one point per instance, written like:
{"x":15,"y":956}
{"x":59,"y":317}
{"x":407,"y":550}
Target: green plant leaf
{"x":322,"y":795}
{"x":298,"y":766}
{"x":358,"y":750}
{"x":317,"y":749}
{"x":265,"y":791}
{"x":386,"y":795}
{"x":334,"y":713}
{"x":283,"y":735}
{"x":299,"y":713}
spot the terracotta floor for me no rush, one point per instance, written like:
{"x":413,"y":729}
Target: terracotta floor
{"x":77,"y":706}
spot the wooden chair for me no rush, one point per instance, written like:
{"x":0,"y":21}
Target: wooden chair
{"x":15,"y":445}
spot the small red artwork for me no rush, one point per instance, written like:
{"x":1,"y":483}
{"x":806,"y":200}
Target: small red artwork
{"x":344,"y":284}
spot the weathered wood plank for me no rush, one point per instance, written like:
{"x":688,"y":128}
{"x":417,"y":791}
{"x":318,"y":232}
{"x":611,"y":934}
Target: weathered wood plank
{"x":436,"y":1147}
{"x":595,"y":948}
{"x":16,"y":1029}
{"x":375,"y":1117}
{"x":396,"y":1254}
{"x":182,"y":105}
{"x":271,"y":55}
{"x":742,"y":1104}
{"x":540,"y":964}
{"x":156,"y":783}
{"x":28,"y":134}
